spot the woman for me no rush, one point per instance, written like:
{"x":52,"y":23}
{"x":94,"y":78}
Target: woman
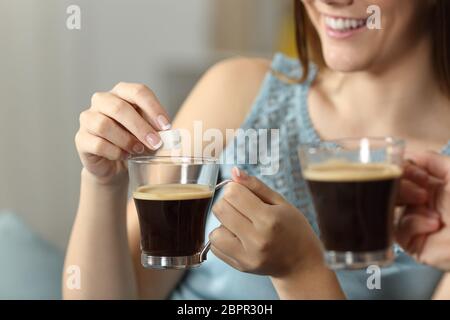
{"x":350,"y":81}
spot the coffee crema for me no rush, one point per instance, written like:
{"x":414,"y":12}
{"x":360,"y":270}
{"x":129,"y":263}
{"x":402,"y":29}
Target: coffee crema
{"x":336,"y":170}
{"x":355,"y":203}
{"x":173,"y":192}
{"x":172,"y":218}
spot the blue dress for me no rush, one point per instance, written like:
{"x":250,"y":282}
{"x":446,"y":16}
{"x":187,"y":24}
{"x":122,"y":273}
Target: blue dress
{"x":281,"y":105}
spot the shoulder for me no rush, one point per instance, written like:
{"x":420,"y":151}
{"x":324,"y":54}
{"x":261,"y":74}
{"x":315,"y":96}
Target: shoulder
{"x":225,"y":93}
{"x":238,"y":66}
{"x":239,"y":75}
{"x":248,"y":73}
{"x":243,"y":72}
{"x":241,"y":69}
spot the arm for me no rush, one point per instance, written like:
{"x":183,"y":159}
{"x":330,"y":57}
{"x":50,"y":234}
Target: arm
{"x":103,"y":253}
{"x":105,"y":240}
{"x":443,"y":289}
{"x":98,"y":244}
{"x":317,"y":282}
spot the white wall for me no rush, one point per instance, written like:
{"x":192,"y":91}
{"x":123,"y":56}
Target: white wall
{"x":48,"y":73}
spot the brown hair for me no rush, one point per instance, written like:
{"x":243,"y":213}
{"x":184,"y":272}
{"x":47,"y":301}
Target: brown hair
{"x":310,"y":50}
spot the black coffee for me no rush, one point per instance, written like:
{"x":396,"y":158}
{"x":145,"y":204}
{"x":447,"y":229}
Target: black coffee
{"x":172,"y":218}
{"x":355,"y":204}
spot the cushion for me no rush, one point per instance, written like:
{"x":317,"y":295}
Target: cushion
{"x":30,"y":268}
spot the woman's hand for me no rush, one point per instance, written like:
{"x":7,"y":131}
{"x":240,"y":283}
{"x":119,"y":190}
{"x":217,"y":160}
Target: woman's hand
{"x":261,"y":232}
{"x":424,"y":228}
{"x":120,"y":122}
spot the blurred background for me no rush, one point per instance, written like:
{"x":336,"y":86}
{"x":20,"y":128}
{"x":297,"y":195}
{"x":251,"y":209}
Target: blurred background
{"x":48,"y":74}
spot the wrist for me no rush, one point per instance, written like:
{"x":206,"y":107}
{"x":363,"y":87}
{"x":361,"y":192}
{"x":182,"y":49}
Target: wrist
{"x":118,"y":182}
{"x":308,"y":265}
{"x":312,"y":282}
{"x":309,"y":278}
{"x":99,"y":199}
{"x":308,"y":258}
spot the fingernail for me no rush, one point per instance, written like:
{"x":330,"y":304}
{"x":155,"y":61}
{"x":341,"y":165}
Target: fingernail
{"x":240,"y":173}
{"x":154,"y":141}
{"x":164,"y":124}
{"x":138,"y":148}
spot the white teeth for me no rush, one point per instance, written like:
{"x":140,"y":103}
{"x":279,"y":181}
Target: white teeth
{"x":347,"y":24}
{"x":341,"y":24}
{"x":333,"y":23}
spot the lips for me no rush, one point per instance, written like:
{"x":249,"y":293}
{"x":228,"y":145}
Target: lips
{"x":344,"y":24}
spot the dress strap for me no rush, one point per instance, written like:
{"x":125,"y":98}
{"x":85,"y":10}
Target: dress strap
{"x":446,"y":149}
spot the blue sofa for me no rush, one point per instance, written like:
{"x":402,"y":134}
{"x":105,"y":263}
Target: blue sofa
{"x":30,"y":268}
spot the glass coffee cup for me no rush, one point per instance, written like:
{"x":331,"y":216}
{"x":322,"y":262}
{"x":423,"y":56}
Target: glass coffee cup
{"x":173,"y":196}
{"x":353,"y":184}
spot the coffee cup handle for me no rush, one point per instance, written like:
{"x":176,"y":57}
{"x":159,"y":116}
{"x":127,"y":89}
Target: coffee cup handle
{"x":204,"y":252}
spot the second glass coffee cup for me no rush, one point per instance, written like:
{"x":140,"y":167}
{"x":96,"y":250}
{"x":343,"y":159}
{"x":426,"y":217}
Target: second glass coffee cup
{"x":353,"y":184}
{"x":173,"y":196}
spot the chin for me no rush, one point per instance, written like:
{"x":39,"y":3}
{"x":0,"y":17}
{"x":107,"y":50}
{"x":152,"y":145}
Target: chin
{"x":344,"y":61}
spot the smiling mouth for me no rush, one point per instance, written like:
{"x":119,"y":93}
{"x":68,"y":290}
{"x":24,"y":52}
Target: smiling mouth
{"x":344,"y":25}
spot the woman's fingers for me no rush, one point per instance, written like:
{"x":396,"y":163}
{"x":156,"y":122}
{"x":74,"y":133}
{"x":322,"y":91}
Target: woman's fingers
{"x":416,"y":222}
{"x":423,"y":178}
{"x":411,"y":194}
{"x":104,"y":127}
{"x":226,"y":245}
{"x":416,"y":245}
{"x":232,"y":219}
{"x":436,"y":164}
{"x":125,"y":114}
{"x":415,"y":174}
{"x":257,"y":187}
{"x":144,"y":98}
{"x":90,"y":144}
{"x":225,"y":258}
{"x":244,"y":200}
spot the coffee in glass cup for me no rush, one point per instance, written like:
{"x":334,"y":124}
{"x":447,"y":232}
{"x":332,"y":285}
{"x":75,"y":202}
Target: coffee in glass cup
{"x":173,"y":196}
{"x":353,"y":184}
